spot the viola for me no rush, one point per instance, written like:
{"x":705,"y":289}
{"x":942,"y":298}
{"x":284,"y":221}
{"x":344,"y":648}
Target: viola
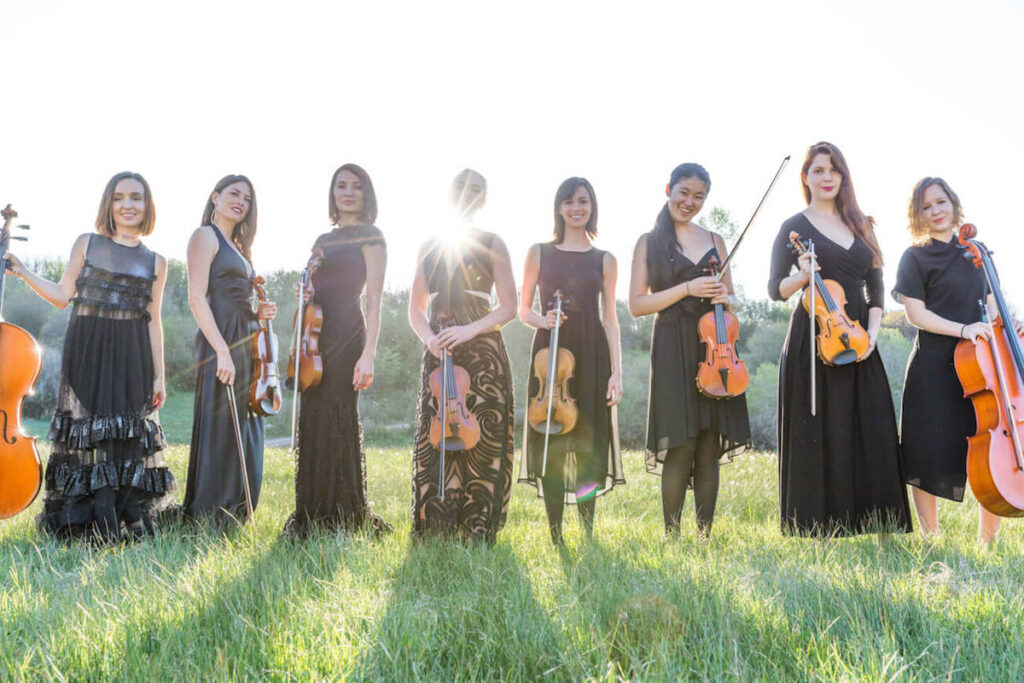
{"x":992,"y":375}
{"x":721,"y":374}
{"x":553,"y":410}
{"x":306,"y":347}
{"x":840,"y":340}
{"x":21,"y":358}
{"x":265,"y":387}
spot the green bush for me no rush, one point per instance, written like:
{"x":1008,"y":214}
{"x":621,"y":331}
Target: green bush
{"x":762,"y":406}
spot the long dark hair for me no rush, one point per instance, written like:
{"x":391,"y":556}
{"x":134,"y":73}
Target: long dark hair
{"x":105,"y":222}
{"x":369,"y":214}
{"x":846,"y":198}
{"x":565,"y":191}
{"x":918,"y":227}
{"x":244,"y":231}
{"x":661,"y":240}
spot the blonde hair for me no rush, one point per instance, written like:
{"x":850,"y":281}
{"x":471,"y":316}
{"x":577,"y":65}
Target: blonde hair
{"x":917,"y":225}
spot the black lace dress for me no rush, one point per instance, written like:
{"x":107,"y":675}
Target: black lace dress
{"x":589,"y":455}
{"x":478,"y":481}
{"x":106,"y":475}
{"x":839,"y":470}
{"x":215,"y":489}
{"x":330,"y":469}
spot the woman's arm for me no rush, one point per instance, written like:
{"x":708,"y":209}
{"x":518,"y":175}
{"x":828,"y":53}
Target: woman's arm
{"x":419,"y":301}
{"x":202,"y":248}
{"x":644,"y":302}
{"x":923,"y":319}
{"x":156,"y":333}
{"x":505,"y":284}
{"x":376,"y":258}
{"x":610,"y":322}
{"x":531,"y":275}
{"x":57,"y":293}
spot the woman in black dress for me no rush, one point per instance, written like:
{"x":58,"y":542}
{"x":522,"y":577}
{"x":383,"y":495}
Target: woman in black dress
{"x":940,"y":291}
{"x":839,"y":470}
{"x":454,"y":278}
{"x":220,"y":275}
{"x":106,"y":478}
{"x":585,"y":462}
{"x":688,"y":434}
{"x":330,"y":466}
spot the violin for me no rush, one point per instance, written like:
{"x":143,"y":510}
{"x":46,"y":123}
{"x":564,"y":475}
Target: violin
{"x":721,"y":374}
{"x":21,"y":472}
{"x":453,"y":427}
{"x":992,"y":375}
{"x":306,"y":347}
{"x":840,"y":340}
{"x":265,"y":387}
{"x":553,"y":410}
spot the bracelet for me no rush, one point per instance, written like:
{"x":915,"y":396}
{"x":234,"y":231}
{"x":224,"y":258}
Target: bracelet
{"x":962,"y":328}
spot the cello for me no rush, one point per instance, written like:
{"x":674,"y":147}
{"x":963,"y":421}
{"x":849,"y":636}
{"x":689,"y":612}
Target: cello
{"x":992,"y":375}
{"x":721,"y":374}
{"x":265,"y":388}
{"x":21,"y":473}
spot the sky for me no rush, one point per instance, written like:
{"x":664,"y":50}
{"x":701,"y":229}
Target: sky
{"x":528,"y":93}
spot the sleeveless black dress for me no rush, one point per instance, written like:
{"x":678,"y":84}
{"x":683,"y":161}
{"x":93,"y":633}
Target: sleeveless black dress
{"x":936,"y":419}
{"x":676,"y":411}
{"x":839,"y":471}
{"x":106,"y":470}
{"x":330,"y":468}
{"x":589,"y":455}
{"x":478,"y":481}
{"x":215,"y":487}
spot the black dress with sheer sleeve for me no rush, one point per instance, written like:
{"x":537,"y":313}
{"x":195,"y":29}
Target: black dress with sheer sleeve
{"x":839,"y":470}
{"x":106,"y":477}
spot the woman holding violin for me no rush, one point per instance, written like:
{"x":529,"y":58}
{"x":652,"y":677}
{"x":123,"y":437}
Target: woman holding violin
{"x":576,"y":458}
{"x":688,"y":433}
{"x":220,"y":289}
{"x":106,"y":478}
{"x":940,"y":291}
{"x":330,"y":465}
{"x":839,"y":466}
{"x":467,"y":496}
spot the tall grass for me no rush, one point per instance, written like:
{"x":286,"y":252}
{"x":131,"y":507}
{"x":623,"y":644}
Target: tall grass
{"x":748,"y":604}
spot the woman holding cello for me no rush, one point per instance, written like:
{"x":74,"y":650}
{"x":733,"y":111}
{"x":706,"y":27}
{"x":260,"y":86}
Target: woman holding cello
{"x":467,"y":496}
{"x":839,"y":466}
{"x":688,"y":433}
{"x":220,"y":287}
{"x":106,"y":478}
{"x":579,"y":460}
{"x":330,"y":465}
{"x":940,"y":291}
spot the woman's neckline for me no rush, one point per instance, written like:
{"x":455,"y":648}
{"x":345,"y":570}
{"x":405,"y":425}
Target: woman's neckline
{"x":228,"y":241}
{"x":136,"y":245}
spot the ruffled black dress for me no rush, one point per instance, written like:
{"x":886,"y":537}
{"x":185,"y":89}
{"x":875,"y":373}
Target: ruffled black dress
{"x":106,"y":475}
{"x":936,"y":419}
{"x":589,"y":455}
{"x":839,"y":471}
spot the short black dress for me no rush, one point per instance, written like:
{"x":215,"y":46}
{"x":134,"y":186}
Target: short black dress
{"x":215,"y":489}
{"x":676,"y":411}
{"x":839,"y":471}
{"x":106,"y":472}
{"x":330,"y":467}
{"x":936,"y":418}
{"x":589,"y":455}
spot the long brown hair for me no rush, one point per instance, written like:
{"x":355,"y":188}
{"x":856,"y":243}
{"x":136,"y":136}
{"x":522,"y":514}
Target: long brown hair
{"x":105,"y":221}
{"x":244,"y":231}
{"x":565,"y":191}
{"x":918,"y":227}
{"x":846,"y":199}
{"x":369,"y":213}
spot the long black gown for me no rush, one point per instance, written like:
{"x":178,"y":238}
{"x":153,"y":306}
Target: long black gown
{"x":839,"y":471}
{"x":478,"y":481}
{"x":676,"y":411}
{"x":936,"y":419}
{"x":106,"y":475}
{"x":589,"y":455}
{"x":330,"y":468}
{"x":215,"y":489}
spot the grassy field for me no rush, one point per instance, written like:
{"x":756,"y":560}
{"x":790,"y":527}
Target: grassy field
{"x":748,"y":604}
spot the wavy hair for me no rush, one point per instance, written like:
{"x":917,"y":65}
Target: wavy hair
{"x":244,"y":231}
{"x":918,"y":226}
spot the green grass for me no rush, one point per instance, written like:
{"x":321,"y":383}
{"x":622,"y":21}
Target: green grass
{"x":748,"y":604}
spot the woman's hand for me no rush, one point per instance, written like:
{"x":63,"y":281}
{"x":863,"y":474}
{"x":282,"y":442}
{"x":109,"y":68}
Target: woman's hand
{"x":434,"y":346}
{"x":551,"y":318}
{"x":159,"y":393}
{"x":450,"y":337}
{"x":362,"y":375}
{"x":804,"y":264}
{"x":614,"y":394}
{"x":724,"y":298}
{"x":976,"y":332}
{"x":707,"y":287}
{"x":225,"y":367}
{"x":872,"y":340}
{"x":14,"y":265}
{"x":308,"y":294}
{"x":266,"y":310}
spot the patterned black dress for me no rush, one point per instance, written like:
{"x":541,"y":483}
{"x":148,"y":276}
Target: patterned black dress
{"x":589,"y":455}
{"x":839,"y":470}
{"x":215,"y":489}
{"x":478,"y":481}
{"x":106,"y":476}
{"x":330,"y":469}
